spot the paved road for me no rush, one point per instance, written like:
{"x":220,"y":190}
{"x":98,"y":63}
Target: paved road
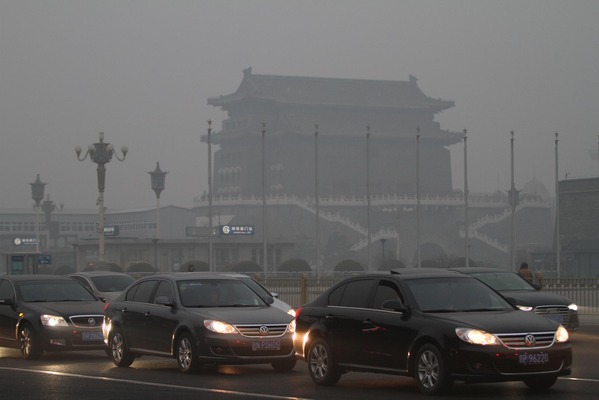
{"x":90,"y":375}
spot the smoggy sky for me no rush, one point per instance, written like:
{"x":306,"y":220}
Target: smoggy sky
{"x":141,"y":71}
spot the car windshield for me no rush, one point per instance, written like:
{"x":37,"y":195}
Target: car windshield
{"x":53,"y":291}
{"x":217,"y":293}
{"x":256,"y":287}
{"x":504,"y":281}
{"x":455,"y":295}
{"x":112,"y":283}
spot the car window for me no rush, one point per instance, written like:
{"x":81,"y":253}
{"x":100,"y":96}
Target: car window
{"x":112,"y":283}
{"x":504,"y":281}
{"x":217,"y":293}
{"x":84,"y":282}
{"x":355,"y":293}
{"x":386,"y":290}
{"x":143,"y":292}
{"x":164,"y":289}
{"x":43,"y":291}
{"x":6,"y":291}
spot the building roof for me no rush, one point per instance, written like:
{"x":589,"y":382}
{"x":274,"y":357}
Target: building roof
{"x":332,"y":91}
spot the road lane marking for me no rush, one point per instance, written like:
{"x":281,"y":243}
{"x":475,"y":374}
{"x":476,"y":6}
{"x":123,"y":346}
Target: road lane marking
{"x":163,"y":385}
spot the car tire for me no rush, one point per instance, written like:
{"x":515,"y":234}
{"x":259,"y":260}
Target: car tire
{"x":29,"y":342}
{"x":430,"y":371}
{"x":321,"y":363}
{"x":117,"y":350}
{"x":284,"y":365}
{"x":541,"y":382}
{"x":186,"y":354}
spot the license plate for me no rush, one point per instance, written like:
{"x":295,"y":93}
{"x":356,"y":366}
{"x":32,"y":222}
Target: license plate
{"x":533,"y":358}
{"x":92,"y":336}
{"x":266,"y":345}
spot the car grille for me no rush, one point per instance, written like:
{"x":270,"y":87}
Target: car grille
{"x":262,"y":330}
{"x":86,"y":321}
{"x":536,"y":340}
{"x":560,"y":314}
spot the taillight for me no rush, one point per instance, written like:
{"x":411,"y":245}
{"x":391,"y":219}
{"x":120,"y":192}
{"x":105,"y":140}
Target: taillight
{"x":105,"y":307}
{"x":297,"y":313}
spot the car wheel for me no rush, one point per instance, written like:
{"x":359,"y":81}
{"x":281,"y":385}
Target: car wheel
{"x":118,"y":352}
{"x":321,"y":364}
{"x":29,"y":344}
{"x":284,"y":365}
{"x":541,"y":382}
{"x":186,"y":353}
{"x":430,"y":372}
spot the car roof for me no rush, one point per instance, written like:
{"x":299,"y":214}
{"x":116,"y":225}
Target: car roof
{"x":97,"y":273}
{"x":182,"y":276}
{"x":36,"y":277}
{"x":470,"y":270}
{"x":423,"y":272}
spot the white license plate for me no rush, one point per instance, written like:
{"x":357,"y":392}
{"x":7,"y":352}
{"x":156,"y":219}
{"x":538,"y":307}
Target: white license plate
{"x":533,"y":358}
{"x":266,"y":345}
{"x":92,"y":336}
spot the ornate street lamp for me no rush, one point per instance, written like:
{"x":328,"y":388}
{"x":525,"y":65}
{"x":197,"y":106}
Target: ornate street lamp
{"x":37,"y":194}
{"x":316,"y":203}
{"x":264,"y":236}
{"x":211,"y":265}
{"x":157,"y":177}
{"x":48,"y":208}
{"x":557,"y":242}
{"x":466,"y":195}
{"x":368,"y":234}
{"x":418,"y":196}
{"x":101,"y":153}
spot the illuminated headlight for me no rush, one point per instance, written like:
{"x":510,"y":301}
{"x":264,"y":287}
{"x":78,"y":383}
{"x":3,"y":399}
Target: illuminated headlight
{"x":573,"y":307}
{"x":291,"y":326}
{"x":291,"y":312}
{"x":219,"y":327}
{"x":475,"y":336}
{"x":561,"y":335}
{"x":53,"y":320}
{"x":524,"y":308}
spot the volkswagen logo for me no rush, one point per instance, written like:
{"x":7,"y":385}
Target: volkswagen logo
{"x":529,"y":340}
{"x":264,"y":330}
{"x":91,"y":321}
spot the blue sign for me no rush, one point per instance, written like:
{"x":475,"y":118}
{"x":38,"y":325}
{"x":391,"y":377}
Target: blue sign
{"x":229,"y":230}
{"x":44,"y":259}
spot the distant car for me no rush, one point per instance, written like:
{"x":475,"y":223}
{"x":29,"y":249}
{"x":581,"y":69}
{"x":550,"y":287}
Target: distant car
{"x":198,"y":318}
{"x":527,"y":297}
{"x":261,"y":290}
{"x":106,"y":285}
{"x":437,"y":327}
{"x":48,"y":313}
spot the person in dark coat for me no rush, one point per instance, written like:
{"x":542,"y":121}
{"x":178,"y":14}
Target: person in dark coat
{"x":525,"y":273}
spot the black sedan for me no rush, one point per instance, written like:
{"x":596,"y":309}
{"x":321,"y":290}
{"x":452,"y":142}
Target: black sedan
{"x":437,"y":327}
{"x":48,"y":313}
{"x":198,"y":318}
{"x":526,"y":296}
{"x":106,"y":285}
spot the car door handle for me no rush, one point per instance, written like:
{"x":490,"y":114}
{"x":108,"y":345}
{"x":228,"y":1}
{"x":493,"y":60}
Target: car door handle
{"x":367,"y":322}
{"x":124,"y":310}
{"x":329,"y":316}
{"x":148,"y":314}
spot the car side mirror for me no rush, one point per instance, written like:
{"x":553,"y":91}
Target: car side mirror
{"x":163,"y":301}
{"x":269,"y":299}
{"x":394,"y":305}
{"x":274,"y":294}
{"x":536,"y":286}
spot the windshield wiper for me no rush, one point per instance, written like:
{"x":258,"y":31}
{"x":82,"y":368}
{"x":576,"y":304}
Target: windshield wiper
{"x":440,"y":310}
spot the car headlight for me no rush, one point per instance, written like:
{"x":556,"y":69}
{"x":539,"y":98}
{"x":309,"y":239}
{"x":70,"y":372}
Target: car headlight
{"x":291,"y":312}
{"x":561,"y":335}
{"x":524,"y":308}
{"x":573,"y":307}
{"x":291,"y":326}
{"x":219,"y":326}
{"x":53,"y":320}
{"x":476,"y":336}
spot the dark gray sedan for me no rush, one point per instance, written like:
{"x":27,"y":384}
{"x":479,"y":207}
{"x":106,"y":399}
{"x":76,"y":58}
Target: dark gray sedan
{"x":198,"y":318}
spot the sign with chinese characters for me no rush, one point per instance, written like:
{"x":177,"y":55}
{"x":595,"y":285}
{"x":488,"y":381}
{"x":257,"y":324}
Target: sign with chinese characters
{"x":24,"y":241}
{"x":229,"y":230}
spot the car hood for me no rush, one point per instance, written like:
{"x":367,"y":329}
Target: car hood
{"x":500,"y":321}
{"x":67,"y":308}
{"x":536,"y":298}
{"x":244,"y":315}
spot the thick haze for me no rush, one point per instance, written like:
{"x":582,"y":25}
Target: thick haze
{"x":141,"y":71}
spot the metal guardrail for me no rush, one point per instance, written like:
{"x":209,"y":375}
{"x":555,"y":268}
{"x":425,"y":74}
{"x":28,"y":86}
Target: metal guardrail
{"x":300,"y":290}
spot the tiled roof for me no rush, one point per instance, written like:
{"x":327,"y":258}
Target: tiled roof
{"x":332,"y":91}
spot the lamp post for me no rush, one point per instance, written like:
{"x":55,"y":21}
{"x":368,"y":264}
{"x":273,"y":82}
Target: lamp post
{"x":557,"y":242}
{"x":48,"y":208}
{"x":383,"y":240}
{"x":101,"y":153}
{"x":37,"y":194}
{"x":466,"y":195}
{"x":369,"y":237}
{"x":211,"y":265}
{"x":157,"y":179}
{"x":513,"y":199}
{"x":264,"y":236}
{"x":418,"y":196}
{"x":316,"y":203}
